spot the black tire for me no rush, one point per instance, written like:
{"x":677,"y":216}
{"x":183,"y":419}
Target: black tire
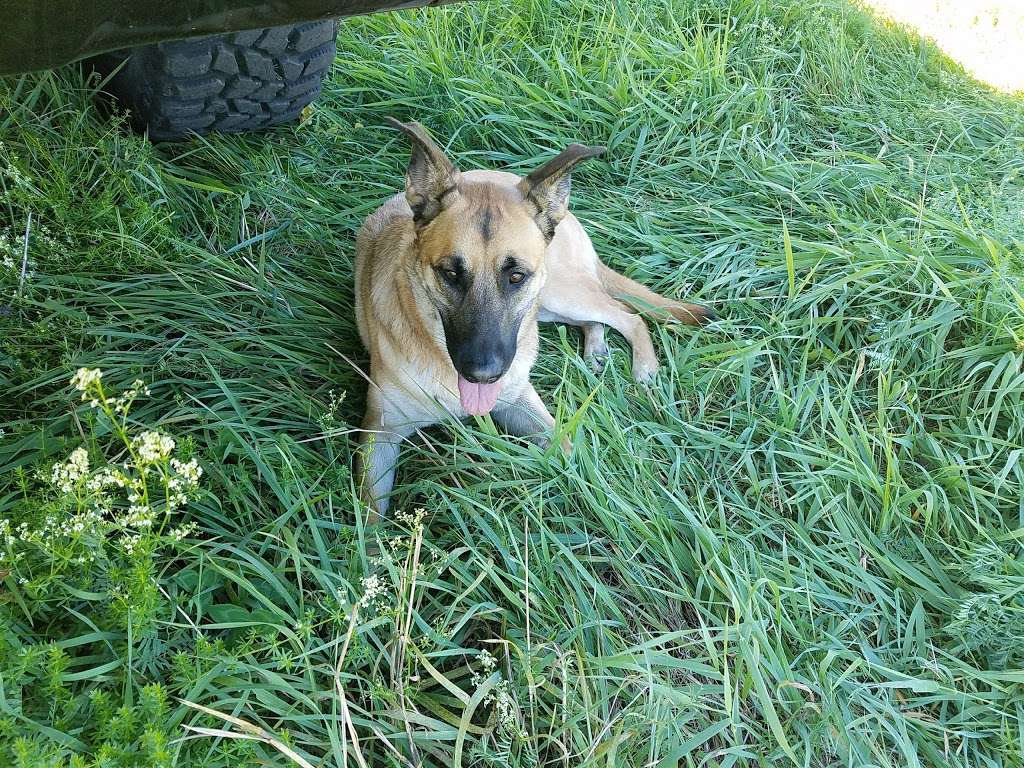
{"x":226,"y":83}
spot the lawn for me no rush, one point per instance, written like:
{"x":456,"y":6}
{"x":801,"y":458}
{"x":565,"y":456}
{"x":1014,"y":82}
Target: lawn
{"x":802,"y":544}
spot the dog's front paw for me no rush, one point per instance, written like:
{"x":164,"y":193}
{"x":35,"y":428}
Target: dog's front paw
{"x":544,"y":442}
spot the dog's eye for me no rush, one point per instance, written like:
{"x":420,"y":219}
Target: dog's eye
{"x":451,"y":276}
{"x":516,"y":277}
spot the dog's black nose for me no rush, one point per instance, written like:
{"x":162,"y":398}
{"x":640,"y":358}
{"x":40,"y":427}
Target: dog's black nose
{"x":484,"y":374}
{"x":483,"y":352}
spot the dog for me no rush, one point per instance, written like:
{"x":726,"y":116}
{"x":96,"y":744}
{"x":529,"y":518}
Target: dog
{"x":451,"y":278}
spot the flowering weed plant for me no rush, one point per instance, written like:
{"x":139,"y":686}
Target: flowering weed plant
{"x":111,"y":505}
{"x":94,"y":526}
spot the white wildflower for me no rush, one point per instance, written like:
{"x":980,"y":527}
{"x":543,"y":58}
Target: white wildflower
{"x":153,"y":447}
{"x":328,"y":417}
{"x":412,"y":520}
{"x":183,"y":531}
{"x":139,"y":516}
{"x":373,"y":593}
{"x":175,"y":500}
{"x":487,"y":665}
{"x":506,"y":710}
{"x":105,"y":478}
{"x":84,"y":378}
{"x":123,"y":403}
{"x":128,"y":544}
{"x":188,"y":471}
{"x":67,"y":474}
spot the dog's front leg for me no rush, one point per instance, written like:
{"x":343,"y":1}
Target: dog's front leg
{"x":375,"y":469}
{"x":377,"y":457}
{"x":527,"y":416}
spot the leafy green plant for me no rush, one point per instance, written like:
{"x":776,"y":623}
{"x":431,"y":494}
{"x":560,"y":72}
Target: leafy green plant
{"x":107,"y":514}
{"x":96,"y":527}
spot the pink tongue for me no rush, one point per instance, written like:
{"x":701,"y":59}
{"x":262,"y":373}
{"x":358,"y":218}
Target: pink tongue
{"x":478,"y":399}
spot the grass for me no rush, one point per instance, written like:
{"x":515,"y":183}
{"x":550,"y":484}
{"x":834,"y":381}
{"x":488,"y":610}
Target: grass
{"x":801,"y":545}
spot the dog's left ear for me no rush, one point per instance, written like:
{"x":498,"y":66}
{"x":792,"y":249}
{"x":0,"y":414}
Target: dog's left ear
{"x":547,"y":188}
{"x":431,"y":180}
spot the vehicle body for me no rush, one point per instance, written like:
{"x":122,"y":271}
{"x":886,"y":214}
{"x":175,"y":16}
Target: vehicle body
{"x":188,"y":66}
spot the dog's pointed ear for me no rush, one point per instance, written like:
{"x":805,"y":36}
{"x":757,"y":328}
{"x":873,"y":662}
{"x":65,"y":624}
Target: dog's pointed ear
{"x":547,"y":188}
{"x":431,"y":181}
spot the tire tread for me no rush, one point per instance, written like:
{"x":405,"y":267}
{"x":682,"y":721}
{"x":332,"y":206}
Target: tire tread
{"x":225,"y":83}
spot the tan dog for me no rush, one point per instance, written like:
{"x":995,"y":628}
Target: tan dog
{"x":451,"y":278}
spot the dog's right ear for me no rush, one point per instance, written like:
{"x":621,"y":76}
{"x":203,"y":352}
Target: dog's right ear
{"x":431,"y":181}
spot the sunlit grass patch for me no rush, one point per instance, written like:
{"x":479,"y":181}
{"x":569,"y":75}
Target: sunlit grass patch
{"x":986,"y":37}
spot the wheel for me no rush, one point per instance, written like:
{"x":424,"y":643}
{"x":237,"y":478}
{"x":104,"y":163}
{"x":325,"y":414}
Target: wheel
{"x":227,"y":83}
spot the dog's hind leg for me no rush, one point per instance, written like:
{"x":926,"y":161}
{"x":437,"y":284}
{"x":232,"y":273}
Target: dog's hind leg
{"x":595,"y":307}
{"x":643,"y":299}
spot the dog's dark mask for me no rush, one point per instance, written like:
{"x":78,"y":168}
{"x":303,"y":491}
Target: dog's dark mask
{"x":481,"y":331}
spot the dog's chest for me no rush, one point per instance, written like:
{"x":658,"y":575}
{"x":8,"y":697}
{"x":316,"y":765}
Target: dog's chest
{"x":426,"y":395}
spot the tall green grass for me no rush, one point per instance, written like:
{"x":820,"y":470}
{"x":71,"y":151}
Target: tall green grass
{"x":800,"y":545}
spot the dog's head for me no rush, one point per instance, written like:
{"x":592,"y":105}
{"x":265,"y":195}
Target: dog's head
{"x":481,"y":251}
